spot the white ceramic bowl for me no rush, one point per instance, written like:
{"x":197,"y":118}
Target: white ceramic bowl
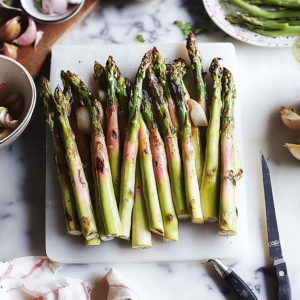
{"x":30,"y":7}
{"x":17,"y":79}
{"x":217,"y":10}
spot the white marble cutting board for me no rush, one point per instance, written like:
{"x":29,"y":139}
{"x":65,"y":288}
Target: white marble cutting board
{"x":197,"y":242}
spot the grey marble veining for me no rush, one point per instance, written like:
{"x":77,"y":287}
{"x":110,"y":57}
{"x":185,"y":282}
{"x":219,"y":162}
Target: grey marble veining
{"x":268,"y":78}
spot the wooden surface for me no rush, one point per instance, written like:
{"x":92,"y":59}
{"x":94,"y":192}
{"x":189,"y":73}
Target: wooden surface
{"x":32,"y":59}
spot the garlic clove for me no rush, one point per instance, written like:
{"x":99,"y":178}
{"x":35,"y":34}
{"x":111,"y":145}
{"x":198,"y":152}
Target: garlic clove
{"x":4,"y":132}
{"x":10,"y":30}
{"x":294,"y":150}
{"x":197,"y":113}
{"x":10,"y":51}
{"x":102,"y":96}
{"x":15,"y":104}
{"x":290,"y":118}
{"x":53,"y":6}
{"x":28,"y":37}
{"x":38,"y":37}
{"x":83,"y":119}
{"x":6,"y":119}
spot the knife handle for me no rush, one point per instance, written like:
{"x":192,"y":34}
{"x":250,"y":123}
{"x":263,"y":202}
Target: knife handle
{"x":240,"y":289}
{"x":284,"y":292}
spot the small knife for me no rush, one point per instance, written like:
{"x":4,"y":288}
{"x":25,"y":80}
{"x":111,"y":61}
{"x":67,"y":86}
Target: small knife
{"x":284,"y":292}
{"x":239,"y":288}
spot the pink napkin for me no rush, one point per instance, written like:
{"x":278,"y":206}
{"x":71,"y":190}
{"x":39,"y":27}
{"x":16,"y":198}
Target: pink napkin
{"x":33,"y":277}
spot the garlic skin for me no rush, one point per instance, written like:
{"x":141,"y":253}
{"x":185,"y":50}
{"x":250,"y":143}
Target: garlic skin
{"x":4,"y":132}
{"x":38,"y":37}
{"x":103,"y":96}
{"x":294,"y":150}
{"x":83,"y":120}
{"x":53,"y":6}
{"x":10,"y":51}
{"x":15,"y":104}
{"x":6,"y":119}
{"x":197,"y":113}
{"x":290,"y":118}
{"x":10,"y":30}
{"x":28,"y":37}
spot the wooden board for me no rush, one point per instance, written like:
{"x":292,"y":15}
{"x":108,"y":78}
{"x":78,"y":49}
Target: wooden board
{"x":32,"y":59}
{"x":196,"y":242}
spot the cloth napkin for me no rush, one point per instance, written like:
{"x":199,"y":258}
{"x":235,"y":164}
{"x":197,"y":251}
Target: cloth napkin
{"x":33,"y":277}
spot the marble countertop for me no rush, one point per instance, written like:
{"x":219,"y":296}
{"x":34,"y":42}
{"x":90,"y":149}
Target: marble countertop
{"x":268,"y":78}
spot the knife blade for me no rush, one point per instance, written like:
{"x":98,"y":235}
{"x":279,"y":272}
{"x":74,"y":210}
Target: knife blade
{"x":284,"y":292}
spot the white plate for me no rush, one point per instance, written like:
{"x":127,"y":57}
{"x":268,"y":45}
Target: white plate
{"x":196,"y":242}
{"x":217,"y":10}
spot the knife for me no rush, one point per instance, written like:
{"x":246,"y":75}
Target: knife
{"x":284,"y":292}
{"x":239,"y":288}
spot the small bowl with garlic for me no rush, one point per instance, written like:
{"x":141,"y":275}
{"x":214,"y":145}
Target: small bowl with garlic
{"x":17,"y":100}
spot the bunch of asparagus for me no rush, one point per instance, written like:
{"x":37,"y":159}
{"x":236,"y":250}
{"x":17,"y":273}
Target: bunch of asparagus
{"x":145,"y":164}
{"x":269,"y":17}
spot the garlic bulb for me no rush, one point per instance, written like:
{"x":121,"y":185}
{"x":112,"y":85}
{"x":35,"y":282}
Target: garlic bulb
{"x":6,"y":119}
{"x":83,"y":119}
{"x":10,"y":30}
{"x":197,"y":113}
{"x":290,"y":118}
{"x":28,"y":37}
{"x":294,"y":149}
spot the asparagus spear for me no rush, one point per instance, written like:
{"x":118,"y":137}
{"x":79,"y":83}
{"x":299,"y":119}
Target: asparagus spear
{"x":227,"y":215}
{"x":113,"y":135}
{"x":161,"y":72}
{"x":108,"y":204}
{"x":198,"y":73}
{"x":131,"y":148}
{"x":141,"y":235}
{"x":210,"y":181}
{"x":192,"y":193}
{"x":73,"y":225}
{"x":258,"y":12}
{"x":161,"y":172}
{"x":149,"y":185}
{"x":288,"y":4}
{"x":170,"y":138}
{"x":79,"y":183}
{"x":94,"y":242}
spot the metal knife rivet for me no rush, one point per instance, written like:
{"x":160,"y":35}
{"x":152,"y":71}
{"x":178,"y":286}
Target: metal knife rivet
{"x":281,"y":273}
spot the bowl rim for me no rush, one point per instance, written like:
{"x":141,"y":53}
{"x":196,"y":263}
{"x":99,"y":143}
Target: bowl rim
{"x":27,"y":117}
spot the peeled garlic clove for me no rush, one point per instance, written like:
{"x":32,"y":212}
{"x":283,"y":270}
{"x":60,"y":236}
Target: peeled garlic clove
{"x":4,"y":132}
{"x":290,"y":118}
{"x":102,"y":96}
{"x":83,"y":119}
{"x":10,"y":30}
{"x":6,"y":119}
{"x":197,"y":113}
{"x":15,"y":105}
{"x":28,"y":37}
{"x":53,"y":6}
{"x":294,"y":149}
{"x":10,"y":51}
{"x":38,"y":37}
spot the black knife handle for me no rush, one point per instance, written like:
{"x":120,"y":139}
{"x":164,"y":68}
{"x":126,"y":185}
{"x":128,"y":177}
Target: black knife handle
{"x":240,"y":289}
{"x":284,"y":292}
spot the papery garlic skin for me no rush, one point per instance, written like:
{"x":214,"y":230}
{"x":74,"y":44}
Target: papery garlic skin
{"x":15,"y":104}
{"x":6,"y":119}
{"x":4,"y":132}
{"x":197,"y":113}
{"x":10,"y":30}
{"x":294,"y":150}
{"x":38,"y":37}
{"x":290,"y":118}
{"x":83,"y":119}
{"x":28,"y":37}
{"x":10,"y":51}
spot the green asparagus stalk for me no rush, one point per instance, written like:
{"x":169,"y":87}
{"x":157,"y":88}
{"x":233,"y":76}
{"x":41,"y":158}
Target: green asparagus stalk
{"x":131,"y":148}
{"x":210,"y":181}
{"x":108,"y":204}
{"x":161,"y":72}
{"x":72,"y":222}
{"x":80,"y":187}
{"x":94,"y":242}
{"x":141,"y":235}
{"x":171,"y":143}
{"x":192,"y":193}
{"x":258,"y":12}
{"x":113,"y":134}
{"x":281,"y":3}
{"x":227,"y":214}
{"x":161,"y":172}
{"x":149,"y":185}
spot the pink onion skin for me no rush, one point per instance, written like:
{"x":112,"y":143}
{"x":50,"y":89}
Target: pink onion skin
{"x":28,"y":37}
